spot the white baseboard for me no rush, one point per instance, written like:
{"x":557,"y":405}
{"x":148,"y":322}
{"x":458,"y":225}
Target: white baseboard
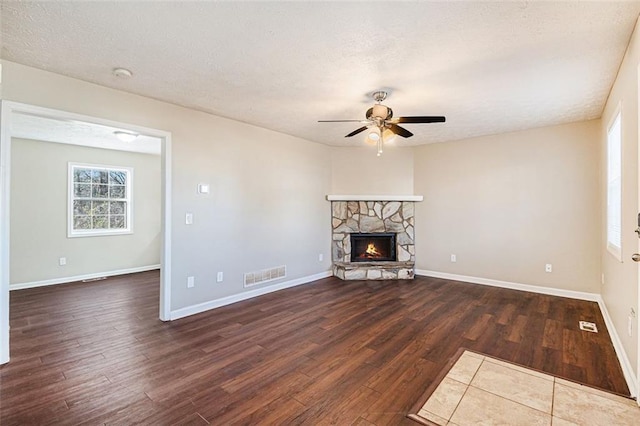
{"x":627,"y":370}
{"x":592,"y":297}
{"x":625,"y":364}
{"x":65,"y":280}
{"x":217,"y":303}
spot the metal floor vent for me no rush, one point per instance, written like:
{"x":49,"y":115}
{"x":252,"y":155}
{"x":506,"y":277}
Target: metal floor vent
{"x":265,"y":275}
{"x":588,"y":326}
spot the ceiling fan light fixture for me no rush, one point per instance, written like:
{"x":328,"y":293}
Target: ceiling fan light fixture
{"x":380,"y":111}
{"x":374,"y":134}
{"x":125,"y":136}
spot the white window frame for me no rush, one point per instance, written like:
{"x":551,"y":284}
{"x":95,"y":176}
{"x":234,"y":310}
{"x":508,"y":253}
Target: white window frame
{"x":73,"y":233}
{"x":614,"y":237}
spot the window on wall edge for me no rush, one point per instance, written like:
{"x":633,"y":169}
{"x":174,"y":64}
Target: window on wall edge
{"x":614,"y":187}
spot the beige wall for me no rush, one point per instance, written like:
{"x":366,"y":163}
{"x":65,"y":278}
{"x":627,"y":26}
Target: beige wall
{"x":267,"y":205}
{"x":359,"y":171}
{"x":620,"y":289}
{"x":39,"y":214}
{"x":508,"y":204}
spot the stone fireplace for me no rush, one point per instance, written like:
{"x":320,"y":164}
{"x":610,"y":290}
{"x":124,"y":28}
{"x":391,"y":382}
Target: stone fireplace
{"x":373,"y":237}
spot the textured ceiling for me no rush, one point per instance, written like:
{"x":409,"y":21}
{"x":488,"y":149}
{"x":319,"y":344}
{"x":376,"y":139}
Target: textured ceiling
{"x":489,"y":67}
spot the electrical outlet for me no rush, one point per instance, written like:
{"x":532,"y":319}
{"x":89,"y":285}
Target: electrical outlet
{"x":320,"y":257}
{"x":191,"y":282}
{"x":454,"y":258}
{"x":548,"y":267}
{"x":62,"y":261}
{"x":220,"y":277}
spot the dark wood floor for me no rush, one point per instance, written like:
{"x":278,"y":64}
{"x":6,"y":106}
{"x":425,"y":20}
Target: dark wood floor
{"x":329,"y":352}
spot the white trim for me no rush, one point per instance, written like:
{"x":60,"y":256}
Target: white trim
{"x":212,"y":304}
{"x":375,"y":198}
{"x":8,"y":107}
{"x":627,"y":370}
{"x":592,"y":297}
{"x":5,"y":185}
{"x":66,"y":280}
{"x":165,"y":259}
{"x":625,"y":364}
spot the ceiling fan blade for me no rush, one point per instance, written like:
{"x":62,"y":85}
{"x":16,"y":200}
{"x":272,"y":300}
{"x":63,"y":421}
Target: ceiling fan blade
{"x":401,"y":131}
{"x":420,"y":119}
{"x":343,"y":121}
{"x":355,"y":132}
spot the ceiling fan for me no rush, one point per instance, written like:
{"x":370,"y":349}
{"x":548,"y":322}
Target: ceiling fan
{"x":380,"y":118}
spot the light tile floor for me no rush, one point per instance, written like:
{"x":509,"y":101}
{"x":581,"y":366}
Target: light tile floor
{"x":483,"y":390}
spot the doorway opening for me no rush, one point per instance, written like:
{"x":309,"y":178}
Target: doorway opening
{"x":12,"y":115}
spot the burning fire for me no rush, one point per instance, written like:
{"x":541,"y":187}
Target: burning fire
{"x":372,"y":250}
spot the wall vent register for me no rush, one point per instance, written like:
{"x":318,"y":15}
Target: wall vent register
{"x":265,"y":275}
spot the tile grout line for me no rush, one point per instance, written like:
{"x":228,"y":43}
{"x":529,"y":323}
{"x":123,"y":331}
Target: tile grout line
{"x":553,"y":398}
{"x":467,"y":385}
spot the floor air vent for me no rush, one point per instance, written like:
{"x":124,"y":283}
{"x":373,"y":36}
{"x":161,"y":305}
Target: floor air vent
{"x":260,"y":277}
{"x":588,"y":326}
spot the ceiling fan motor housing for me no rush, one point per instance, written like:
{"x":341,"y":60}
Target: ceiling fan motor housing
{"x":380,"y":112}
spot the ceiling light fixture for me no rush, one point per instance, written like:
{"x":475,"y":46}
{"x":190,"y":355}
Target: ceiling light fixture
{"x":125,"y":136}
{"x":122,"y":73}
{"x":374,"y":134}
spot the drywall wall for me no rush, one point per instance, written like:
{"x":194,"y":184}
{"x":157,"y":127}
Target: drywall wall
{"x":508,"y":204}
{"x":620,"y":287}
{"x":359,"y":171}
{"x":39,"y":176}
{"x":267,"y":203}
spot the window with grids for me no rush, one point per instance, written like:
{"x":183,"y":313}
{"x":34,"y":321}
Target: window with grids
{"x":614,"y":188}
{"x":99,"y":200}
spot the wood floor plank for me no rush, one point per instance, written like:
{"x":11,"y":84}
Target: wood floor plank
{"x":331,"y":352}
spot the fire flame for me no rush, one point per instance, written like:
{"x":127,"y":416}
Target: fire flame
{"x":372,"y":250}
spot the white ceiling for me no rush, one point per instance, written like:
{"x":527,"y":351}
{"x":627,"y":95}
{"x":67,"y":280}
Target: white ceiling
{"x":73,"y":132}
{"x":489,"y":67}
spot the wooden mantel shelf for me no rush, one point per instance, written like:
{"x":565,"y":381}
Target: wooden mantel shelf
{"x":414,"y":198}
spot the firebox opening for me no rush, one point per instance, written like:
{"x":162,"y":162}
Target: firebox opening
{"x":375,"y":247}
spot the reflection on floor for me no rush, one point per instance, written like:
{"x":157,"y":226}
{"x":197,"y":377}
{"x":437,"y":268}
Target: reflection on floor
{"x":482,"y":390}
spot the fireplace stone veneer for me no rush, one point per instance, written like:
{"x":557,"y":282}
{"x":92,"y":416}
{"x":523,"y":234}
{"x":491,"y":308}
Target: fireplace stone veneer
{"x":378,"y":216}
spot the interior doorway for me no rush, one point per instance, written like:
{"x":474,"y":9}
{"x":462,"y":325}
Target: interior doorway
{"x":11,"y":114}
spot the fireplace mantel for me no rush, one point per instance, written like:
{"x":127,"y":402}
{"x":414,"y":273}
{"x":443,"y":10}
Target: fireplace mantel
{"x":414,"y":198}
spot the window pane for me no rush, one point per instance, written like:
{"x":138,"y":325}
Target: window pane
{"x":117,"y":207}
{"x":117,"y":177}
{"x":82,"y":190}
{"x":100,"y":176}
{"x":81,"y":207}
{"x":100,"y":222}
{"x":100,"y":207}
{"x":81,"y":222}
{"x":118,"y":191}
{"x":100,"y":191}
{"x":82,"y":175}
{"x":117,"y":222}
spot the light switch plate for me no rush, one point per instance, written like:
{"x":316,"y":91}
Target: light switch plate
{"x":203,"y":188}
{"x":188,"y":219}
